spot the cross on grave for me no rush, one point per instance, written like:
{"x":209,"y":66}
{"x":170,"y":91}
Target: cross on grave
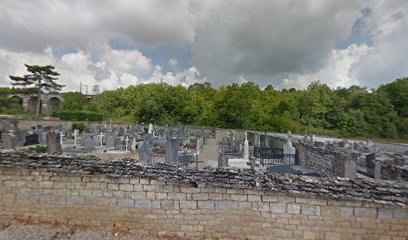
{"x":62,"y":134}
{"x":75,"y":137}
{"x":101,"y":138}
{"x":127,"y":143}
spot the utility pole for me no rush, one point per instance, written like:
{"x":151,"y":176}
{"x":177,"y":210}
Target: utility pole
{"x":80,"y":87}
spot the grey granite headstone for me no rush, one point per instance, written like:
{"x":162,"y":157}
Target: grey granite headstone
{"x":9,"y":140}
{"x":145,"y":150}
{"x":171,"y":149}
{"x":53,"y":143}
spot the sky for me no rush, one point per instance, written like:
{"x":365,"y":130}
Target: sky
{"x":285,"y":43}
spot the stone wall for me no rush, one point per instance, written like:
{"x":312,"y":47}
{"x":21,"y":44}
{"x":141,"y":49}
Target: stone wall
{"x":326,"y":162}
{"x":196,"y":210}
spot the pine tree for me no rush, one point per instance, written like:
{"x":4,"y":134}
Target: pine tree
{"x":42,"y":78}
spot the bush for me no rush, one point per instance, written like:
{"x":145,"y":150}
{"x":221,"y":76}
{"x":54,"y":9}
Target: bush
{"x":39,"y":149}
{"x":78,"y":115}
{"x":80,"y":126}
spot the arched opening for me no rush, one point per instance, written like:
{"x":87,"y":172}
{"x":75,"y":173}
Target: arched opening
{"x":32,"y":105}
{"x":53,"y":104}
{"x":16,"y":102}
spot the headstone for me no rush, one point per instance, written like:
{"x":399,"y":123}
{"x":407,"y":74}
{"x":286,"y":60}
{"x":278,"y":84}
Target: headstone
{"x":9,"y":140}
{"x":110,"y":141}
{"x":171,"y":149}
{"x":89,"y":144}
{"x":246,"y":147}
{"x":53,"y":145}
{"x":31,"y":140}
{"x":145,"y":150}
{"x":150,"y":131}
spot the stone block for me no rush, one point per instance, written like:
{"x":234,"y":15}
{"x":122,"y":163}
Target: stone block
{"x":206,"y":204}
{"x":254,"y":198}
{"x":188,"y":204}
{"x":176,"y":196}
{"x":263,"y":206}
{"x":189,"y":190}
{"x":239,"y":197}
{"x":113,"y":186}
{"x":308,"y":209}
{"x":278,"y":207}
{"x":138,"y":195}
{"x":346,"y":211}
{"x":140,"y":203}
{"x":126,"y":187}
{"x":226,"y":205}
{"x":365,"y":212}
{"x":200,"y":196}
{"x":286,"y":199}
{"x":385,"y":213}
{"x":317,"y":201}
{"x":125,"y":203}
{"x":167,"y":204}
{"x":46,"y":184}
{"x":76,"y":200}
{"x":161,"y":196}
{"x":269,"y":198}
{"x":245,"y":206}
{"x":293,"y":208}
{"x":332,"y":236}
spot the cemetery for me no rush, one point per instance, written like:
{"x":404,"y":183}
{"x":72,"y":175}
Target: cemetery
{"x":171,"y":173}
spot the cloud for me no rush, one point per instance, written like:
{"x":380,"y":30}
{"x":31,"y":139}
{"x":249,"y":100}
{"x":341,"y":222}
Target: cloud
{"x":268,"y":38}
{"x":34,"y":25}
{"x":290,"y":43}
{"x":338,"y":72}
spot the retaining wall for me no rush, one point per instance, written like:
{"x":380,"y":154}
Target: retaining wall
{"x":172,"y":209}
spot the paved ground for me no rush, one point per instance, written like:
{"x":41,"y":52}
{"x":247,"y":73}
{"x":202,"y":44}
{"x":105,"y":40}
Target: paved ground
{"x":10,"y":230}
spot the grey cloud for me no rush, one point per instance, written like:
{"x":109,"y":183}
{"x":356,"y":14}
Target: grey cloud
{"x":279,"y":37}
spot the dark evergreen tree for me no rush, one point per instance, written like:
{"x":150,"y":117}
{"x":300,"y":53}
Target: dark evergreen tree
{"x":42,"y":78}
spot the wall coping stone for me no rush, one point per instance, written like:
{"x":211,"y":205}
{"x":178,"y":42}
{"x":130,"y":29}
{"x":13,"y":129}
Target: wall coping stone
{"x":367,"y":190}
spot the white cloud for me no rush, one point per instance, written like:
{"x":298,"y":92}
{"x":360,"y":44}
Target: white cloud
{"x":339,"y":70}
{"x":126,"y":61}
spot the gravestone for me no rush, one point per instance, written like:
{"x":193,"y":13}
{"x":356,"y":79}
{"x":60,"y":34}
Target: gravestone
{"x":9,"y":140}
{"x":171,"y":149}
{"x":145,"y":150}
{"x":89,"y":144}
{"x":31,"y":140}
{"x":110,"y":141}
{"x":53,"y":143}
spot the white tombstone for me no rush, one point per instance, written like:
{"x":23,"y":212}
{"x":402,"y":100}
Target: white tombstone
{"x":246,"y":147}
{"x":62,"y":134}
{"x":127,"y":143}
{"x":150,"y":131}
{"x":75,"y":137}
{"x":101,"y":138}
{"x":198,"y":146}
{"x":288,"y":148}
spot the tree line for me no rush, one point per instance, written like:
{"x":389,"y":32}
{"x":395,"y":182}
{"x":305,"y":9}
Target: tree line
{"x":346,"y":112}
{"x":349,"y":112}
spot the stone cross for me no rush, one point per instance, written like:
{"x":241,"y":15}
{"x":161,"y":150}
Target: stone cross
{"x":246,"y":147}
{"x":150,"y":131}
{"x":62,"y":134}
{"x":75,"y":137}
{"x":127,"y":143}
{"x":101,"y":138}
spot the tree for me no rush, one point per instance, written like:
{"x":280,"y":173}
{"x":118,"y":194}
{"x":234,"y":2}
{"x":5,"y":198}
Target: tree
{"x":74,"y":101}
{"x":42,"y":77}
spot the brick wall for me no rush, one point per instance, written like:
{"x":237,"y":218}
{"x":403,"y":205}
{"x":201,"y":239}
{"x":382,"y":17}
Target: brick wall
{"x":168,"y":209}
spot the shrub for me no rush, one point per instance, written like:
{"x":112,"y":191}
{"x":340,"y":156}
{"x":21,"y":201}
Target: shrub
{"x":78,"y":115}
{"x":80,"y":126}
{"x":39,"y":149}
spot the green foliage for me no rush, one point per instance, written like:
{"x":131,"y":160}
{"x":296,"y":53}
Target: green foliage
{"x":74,"y":101}
{"x":78,"y":115}
{"x":39,"y":149}
{"x":345,"y":112}
{"x":79,"y":126}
